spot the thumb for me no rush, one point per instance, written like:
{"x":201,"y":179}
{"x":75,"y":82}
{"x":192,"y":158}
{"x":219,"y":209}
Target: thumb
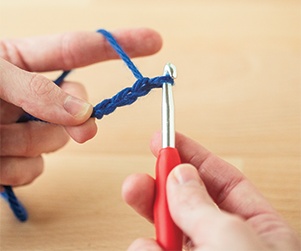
{"x":40,"y":97}
{"x":195,"y":213}
{"x":189,"y":203}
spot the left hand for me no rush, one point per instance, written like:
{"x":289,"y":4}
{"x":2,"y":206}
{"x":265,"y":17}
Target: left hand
{"x":22,"y":144}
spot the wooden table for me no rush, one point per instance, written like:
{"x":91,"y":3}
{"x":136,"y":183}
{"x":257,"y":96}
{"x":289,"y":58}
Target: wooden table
{"x":238,"y":93}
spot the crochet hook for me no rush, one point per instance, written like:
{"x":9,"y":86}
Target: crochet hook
{"x":168,"y":235}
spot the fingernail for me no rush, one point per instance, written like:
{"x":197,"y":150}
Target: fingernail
{"x":185,"y":173}
{"x":77,"y":107}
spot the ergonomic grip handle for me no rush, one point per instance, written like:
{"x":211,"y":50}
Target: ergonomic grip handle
{"x":169,"y":236}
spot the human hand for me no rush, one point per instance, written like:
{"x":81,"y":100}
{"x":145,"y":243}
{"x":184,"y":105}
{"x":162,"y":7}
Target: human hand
{"x":65,"y":108}
{"x":212,"y":202}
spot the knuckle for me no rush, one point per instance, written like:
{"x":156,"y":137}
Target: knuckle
{"x":10,"y":52}
{"x":41,"y":86}
{"x":4,"y":52}
{"x":67,"y":48}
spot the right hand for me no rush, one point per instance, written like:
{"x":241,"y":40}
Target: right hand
{"x":212,"y":202}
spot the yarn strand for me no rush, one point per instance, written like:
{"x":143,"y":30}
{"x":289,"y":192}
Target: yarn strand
{"x":15,"y":205}
{"x":121,"y":53}
{"x":127,"y":96}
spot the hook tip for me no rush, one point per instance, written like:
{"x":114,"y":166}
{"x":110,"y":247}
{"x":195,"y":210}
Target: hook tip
{"x":170,"y":70}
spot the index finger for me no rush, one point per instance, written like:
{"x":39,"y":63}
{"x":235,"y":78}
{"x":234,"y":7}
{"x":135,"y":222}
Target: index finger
{"x":76,"y":49}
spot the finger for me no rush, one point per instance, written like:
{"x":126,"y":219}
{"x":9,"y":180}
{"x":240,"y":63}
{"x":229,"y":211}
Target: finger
{"x":71,"y":50}
{"x":138,"y":191}
{"x":83,"y":132}
{"x":194,"y":212}
{"x":75,"y":89}
{"x":31,"y":139}
{"x":187,"y":194}
{"x":226,"y":185}
{"x":144,"y":244}
{"x":40,"y":97}
{"x":230,"y":190}
{"x":9,"y":113}
{"x":87,"y":130}
{"x":15,"y":171}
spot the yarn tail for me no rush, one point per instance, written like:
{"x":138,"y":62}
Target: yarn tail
{"x":15,"y":205}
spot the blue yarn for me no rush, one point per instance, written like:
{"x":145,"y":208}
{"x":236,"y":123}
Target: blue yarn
{"x":61,"y":78}
{"x":121,"y":53}
{"x":127,"y":96}
{"x":8,"y":194}
{"x":15,"y":205}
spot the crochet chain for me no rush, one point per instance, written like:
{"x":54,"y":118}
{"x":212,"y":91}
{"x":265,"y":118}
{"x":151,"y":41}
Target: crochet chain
{"x":127,"y":96}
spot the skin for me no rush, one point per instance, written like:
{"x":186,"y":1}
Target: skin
{"x":194,"y":189}
{"x":66,"y":109}
{"x":214,"y":204}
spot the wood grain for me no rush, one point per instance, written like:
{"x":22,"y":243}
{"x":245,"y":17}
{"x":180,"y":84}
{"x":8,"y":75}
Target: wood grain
{"x":238,"y":94}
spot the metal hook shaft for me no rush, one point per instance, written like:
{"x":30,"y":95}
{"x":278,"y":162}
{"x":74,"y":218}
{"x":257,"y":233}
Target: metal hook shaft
{"x":168,"y":128}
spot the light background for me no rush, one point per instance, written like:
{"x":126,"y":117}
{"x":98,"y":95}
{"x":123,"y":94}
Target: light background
{"x":238,"y":94}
